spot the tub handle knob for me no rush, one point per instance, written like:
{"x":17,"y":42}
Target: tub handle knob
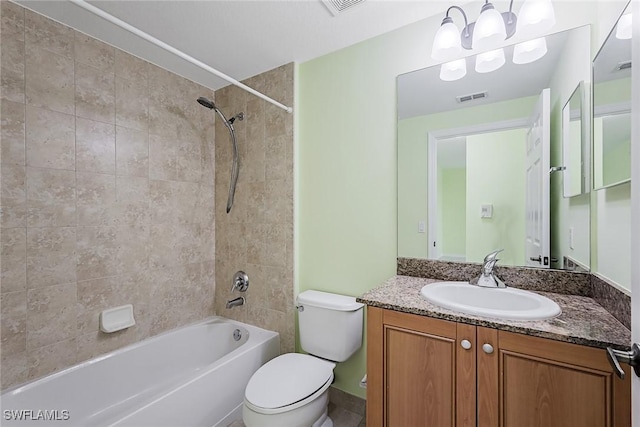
{"x":240,"y":282}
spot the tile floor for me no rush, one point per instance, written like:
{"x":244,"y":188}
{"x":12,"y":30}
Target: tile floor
{"x":344,"y":418}
{"x":341,"y":418}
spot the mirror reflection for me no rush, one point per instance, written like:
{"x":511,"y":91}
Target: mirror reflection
{"x":611,"y":154}
{"x":612,"y":106}
{"x":474,"y":160}
{"x":575,"y":145}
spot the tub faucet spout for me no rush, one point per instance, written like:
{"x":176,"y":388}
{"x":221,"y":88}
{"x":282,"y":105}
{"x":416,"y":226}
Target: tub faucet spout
{"x":235,"y":302}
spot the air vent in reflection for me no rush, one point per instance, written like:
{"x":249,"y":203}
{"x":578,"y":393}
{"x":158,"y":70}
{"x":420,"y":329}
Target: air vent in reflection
{"x":472,"y":96}
{"x":626,"y":65}
{"x":339,"y":6}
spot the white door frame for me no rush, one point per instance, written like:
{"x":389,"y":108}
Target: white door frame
{"x":432,"y":174}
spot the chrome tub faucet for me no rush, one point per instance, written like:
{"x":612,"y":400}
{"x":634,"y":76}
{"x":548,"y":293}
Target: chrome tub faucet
{"x":235,"y":302}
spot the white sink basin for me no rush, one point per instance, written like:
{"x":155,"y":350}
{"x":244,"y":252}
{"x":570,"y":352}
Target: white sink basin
{"x":505,"y":303}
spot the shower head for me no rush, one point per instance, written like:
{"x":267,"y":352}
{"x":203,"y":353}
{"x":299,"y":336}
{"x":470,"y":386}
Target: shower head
{"x":229,"y":125}
{"x":206,"y":103}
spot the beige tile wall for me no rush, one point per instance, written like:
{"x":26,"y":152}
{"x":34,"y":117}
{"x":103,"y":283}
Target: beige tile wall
{"x":107,"y":196}
{"x":257,"y":236}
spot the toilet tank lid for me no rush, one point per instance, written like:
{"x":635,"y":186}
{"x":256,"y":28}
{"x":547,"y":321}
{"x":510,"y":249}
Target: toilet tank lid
{"x":329,"y":301}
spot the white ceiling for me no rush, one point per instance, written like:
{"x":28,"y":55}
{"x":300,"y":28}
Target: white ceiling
{"x":240,"y":38}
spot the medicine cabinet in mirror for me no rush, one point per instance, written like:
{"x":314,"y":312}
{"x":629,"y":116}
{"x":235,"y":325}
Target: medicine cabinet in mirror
{"x":575,"y":144}
{"x":475,"y":158}
{"x":611,"y":154}
{"x":612,"y":107}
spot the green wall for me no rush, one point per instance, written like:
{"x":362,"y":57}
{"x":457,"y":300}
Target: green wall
{"x":412,"y":188}
{"x":568,"y":213}
{"x":452,"y":192}
{"x":611,"y":166}
{"x":503,"y":154}
{"x":616,"y":162}
{"x":346,"y":217}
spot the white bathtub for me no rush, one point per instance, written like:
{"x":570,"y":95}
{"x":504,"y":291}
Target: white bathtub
{"x":192,"y":376}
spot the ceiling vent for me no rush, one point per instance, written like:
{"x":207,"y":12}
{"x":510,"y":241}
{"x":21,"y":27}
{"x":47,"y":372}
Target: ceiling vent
{"x":626,"y":65}
{"x":339,"y":6}
{"x":472,"y":96}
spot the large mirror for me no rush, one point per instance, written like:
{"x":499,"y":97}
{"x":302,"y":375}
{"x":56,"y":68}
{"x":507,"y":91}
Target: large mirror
{"x":475,"y":157}
{"x":611,"y":154}
{"x":612,"y":107}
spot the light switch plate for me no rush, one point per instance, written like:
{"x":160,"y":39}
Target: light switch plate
{"x":486,"y":211}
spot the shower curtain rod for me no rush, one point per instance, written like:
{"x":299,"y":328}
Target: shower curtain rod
{"x":120,"y":23}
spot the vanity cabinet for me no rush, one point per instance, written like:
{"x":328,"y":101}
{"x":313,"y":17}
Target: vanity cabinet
{"x":423,"y":371}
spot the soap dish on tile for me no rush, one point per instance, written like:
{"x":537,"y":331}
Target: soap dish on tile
{"x":117,"y":318}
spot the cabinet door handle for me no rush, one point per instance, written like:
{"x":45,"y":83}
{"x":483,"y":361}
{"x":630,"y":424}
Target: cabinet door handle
{"x":487,"y":348}
{"x":631,"y":357}
{"x":466,"y":344}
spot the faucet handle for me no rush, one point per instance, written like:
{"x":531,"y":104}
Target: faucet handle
{"x":240,"y":282}
{"x":487,"y":268}
{"x":492,"y":256}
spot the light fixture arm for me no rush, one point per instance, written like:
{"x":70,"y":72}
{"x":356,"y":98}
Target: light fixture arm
{"x":466,"y":35}
{"x":464,"y":15}
{"x":511,"y":15}
{"x":467,"y":32}
{"x":509,"y":18}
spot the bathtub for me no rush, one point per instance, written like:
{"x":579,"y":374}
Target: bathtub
{"x":191,"y":376}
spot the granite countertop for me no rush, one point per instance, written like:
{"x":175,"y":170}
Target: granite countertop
{"x":583,"y":321}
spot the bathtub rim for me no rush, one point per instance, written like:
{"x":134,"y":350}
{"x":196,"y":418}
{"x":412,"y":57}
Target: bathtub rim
{"x":211,"y":319}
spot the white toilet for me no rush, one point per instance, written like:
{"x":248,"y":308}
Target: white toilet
{"x":292,"y":390}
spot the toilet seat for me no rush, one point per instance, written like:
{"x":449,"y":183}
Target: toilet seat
{"x":287,"y":382}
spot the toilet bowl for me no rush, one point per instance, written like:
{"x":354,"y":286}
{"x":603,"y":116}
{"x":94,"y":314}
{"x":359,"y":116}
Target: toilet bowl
{"x":292,"y":390}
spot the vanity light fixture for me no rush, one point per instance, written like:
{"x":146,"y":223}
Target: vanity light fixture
{"x":623,"y":29}
{"x":453,"y":70}
{"x":529,"y":51}
{"x":491,"y":28}
{"x":536,"y":17}
{"x":490,"y":61}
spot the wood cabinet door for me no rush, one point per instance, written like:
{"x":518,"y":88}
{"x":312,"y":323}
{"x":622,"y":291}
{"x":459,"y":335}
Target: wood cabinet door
{"x":545,"y":383}
{"x":417,"y":373}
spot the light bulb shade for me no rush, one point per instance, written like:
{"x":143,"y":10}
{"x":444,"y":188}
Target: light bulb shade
{"x":446,"y":44}
{"x":490,"y":61}
{"x":529,"y":51}
{"x":535,"y":18}
{"x":623,"y":29}
{"x":489,"y":29}
{"x":453,"y":70}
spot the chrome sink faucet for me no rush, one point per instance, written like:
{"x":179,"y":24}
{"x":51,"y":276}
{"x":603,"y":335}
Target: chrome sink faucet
{"x":487,"y":279}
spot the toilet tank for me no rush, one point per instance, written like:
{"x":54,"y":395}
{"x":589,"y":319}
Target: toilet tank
{"x":330,"y":324}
